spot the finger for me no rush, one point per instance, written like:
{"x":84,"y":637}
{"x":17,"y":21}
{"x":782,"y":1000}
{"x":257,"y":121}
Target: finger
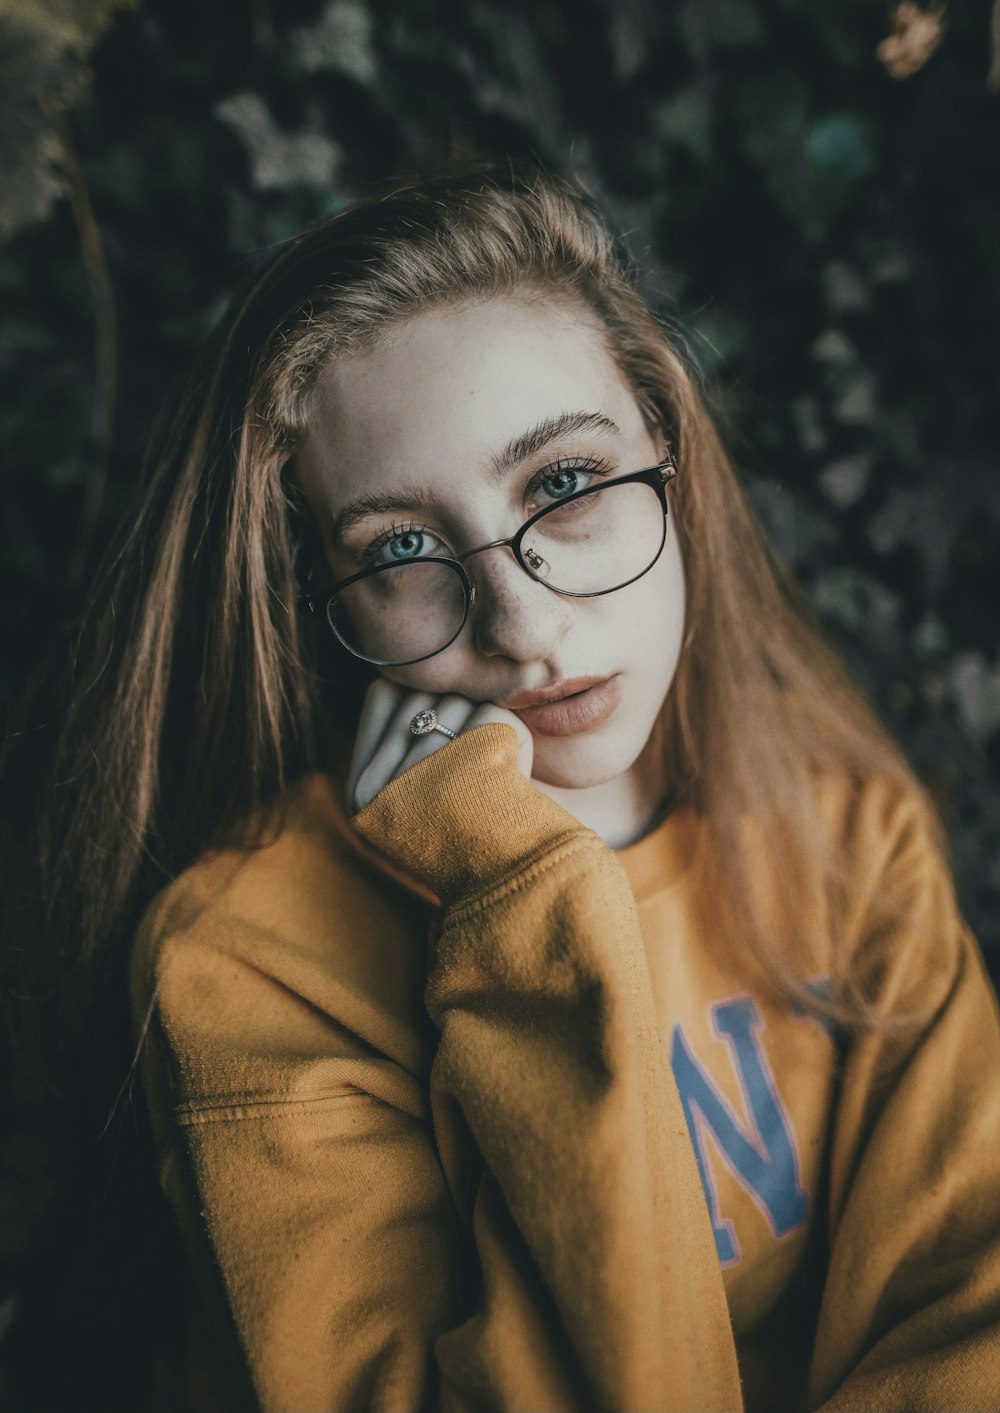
{"x":386,"y":760}
{"x":380,"y":703}
{"x":489,"y":712}
{"x":452,"y":711}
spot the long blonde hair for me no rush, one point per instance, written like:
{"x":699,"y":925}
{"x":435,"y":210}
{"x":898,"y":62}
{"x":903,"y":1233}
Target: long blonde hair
{"x":199,"y":695}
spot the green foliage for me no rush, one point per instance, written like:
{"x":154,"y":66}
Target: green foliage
{"x":341,"y":41}
{"x":279,"y":161}
{"x":812,"y":164}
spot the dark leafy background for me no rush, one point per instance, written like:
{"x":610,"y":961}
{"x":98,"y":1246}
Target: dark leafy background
{"x":826,"y":236}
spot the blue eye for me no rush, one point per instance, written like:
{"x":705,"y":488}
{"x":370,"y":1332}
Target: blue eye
{"x":400,"y":544}
{"x":565,"y":481}
{"x":407,"y":546}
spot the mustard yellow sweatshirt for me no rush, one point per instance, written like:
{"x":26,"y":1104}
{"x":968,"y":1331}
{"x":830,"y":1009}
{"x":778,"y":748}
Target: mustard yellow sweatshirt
{"x":515,"y":1137}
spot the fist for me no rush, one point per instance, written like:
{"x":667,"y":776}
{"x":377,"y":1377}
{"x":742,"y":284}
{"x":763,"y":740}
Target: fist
{"x":385,"y":747}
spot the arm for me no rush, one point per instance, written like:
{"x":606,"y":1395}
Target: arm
{"x":910,"y":1318}
{"x":539,"y":1238}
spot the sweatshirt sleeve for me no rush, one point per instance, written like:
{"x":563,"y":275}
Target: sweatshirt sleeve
{"x":910,"y":1316}
{"x":527,"y":1231}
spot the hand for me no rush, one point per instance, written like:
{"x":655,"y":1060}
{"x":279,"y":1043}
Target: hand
{"x":384,"y":746}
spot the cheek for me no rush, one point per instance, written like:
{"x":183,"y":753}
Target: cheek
{"x":672,"y":598}
{"x":437,"y":675}
{"x":648,"y":619}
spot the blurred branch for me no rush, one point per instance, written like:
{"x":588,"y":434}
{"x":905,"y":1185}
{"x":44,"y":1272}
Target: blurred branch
{"x":105,"y":332}
{"x":993,"y":81}
{"x":262,"y":25}
{"x":44,"y":50}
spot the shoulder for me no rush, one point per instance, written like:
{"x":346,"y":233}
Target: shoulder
{"x":311,"y":914}
{"x":281,"y":883}
{"x":882,"y":824}
{"x":891,"y":875}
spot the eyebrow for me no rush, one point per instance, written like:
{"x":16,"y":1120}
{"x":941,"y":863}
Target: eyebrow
{"x":518,"y":449}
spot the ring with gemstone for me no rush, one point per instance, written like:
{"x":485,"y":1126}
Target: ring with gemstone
{"x":426,"y":721}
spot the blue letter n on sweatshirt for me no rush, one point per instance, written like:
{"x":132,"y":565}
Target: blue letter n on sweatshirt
{"x":762,"y":1157}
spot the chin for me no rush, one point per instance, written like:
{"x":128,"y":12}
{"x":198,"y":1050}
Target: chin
{"x":577,"y":764}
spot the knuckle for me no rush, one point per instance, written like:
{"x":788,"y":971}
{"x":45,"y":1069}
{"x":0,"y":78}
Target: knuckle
{"x":380,"y":692}
{"x":490,"y":714}
{"x":367,"y":786}
{"x":500,"y":714}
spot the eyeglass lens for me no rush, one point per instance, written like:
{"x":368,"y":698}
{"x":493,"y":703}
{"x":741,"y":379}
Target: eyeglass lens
{"x":588,"y":546}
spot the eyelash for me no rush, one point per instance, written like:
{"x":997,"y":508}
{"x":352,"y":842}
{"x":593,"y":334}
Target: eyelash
{"x":370,"y":552}
{"x":596,"y":464}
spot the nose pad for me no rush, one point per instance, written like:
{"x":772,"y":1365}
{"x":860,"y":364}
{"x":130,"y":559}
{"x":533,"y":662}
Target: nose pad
{"x":511,"y":615}
{"x":539,"y":567}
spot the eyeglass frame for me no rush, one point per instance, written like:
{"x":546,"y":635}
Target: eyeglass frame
{"x":658,"y":477}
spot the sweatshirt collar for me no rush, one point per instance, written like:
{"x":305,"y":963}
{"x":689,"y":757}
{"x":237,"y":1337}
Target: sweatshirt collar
{"x":657,"y":860}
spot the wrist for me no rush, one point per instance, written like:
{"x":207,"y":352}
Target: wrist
{"x":465,"y":817}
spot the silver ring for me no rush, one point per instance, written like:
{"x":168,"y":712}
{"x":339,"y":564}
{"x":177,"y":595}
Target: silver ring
{"x":426,"y":721}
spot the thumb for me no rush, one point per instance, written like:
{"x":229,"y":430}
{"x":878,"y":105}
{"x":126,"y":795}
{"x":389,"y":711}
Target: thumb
{"x":488,"y":712}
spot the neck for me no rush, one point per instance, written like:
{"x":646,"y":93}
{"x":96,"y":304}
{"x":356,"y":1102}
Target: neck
{"x":620,"y":811}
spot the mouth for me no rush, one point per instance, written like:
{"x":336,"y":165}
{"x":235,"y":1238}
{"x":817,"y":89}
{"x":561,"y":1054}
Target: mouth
{"x":569,"y":707}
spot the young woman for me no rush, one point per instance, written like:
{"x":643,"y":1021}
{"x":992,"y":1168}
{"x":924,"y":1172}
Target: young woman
{"x":547,"y":988}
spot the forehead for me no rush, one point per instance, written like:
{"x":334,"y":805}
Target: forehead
{"x":446,"y":387}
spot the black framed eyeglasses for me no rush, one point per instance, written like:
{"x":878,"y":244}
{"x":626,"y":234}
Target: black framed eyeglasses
{"x":590,"y":543}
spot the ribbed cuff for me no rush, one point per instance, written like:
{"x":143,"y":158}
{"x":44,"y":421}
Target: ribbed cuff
{"x":464,"y":818}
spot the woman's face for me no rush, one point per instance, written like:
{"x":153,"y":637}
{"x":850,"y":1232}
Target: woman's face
{"x":464,"y":422}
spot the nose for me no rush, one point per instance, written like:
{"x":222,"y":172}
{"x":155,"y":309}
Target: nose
{"x":513,"y":615}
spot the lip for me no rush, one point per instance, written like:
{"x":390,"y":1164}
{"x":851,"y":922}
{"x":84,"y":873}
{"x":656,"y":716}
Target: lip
{"x":566,"y":708}
{"x":551,"y":692}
